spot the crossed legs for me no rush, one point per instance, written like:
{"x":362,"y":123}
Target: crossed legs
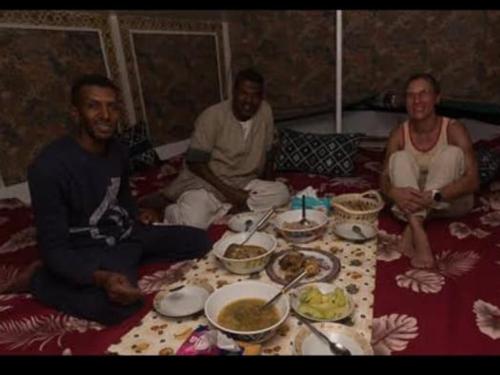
{"x":446,"y":166}
{"x":415,"y":244}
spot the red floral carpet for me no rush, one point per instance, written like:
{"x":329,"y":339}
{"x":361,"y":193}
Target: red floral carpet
{"x":454,"y":309}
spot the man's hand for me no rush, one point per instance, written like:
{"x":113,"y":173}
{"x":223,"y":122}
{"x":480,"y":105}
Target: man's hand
{"x":149,"y":215}
{"x":427,"y":199}
{"x":409,"y":200}
{"x":238,"y":198}
{"x":118,"y":287}
{"x":151,"y":208}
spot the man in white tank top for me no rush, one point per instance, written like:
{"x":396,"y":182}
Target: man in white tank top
{"x":430,"y":169}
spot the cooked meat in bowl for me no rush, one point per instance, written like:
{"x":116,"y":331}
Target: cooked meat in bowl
{"x":236,"y":251}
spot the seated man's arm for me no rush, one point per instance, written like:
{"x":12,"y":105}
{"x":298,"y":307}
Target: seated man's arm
{"x":469,"y":182}
{"x":51,"y":220}
{"x":203,"y":140}
{"x":236,"y":197}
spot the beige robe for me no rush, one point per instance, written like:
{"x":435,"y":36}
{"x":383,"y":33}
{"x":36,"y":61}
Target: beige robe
{"x":234,"y":159}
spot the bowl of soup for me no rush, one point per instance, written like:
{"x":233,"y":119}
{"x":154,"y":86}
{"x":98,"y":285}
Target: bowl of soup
{"x":290,"y":225}
{"x":251,"y":257}
{"x":235,"y":309}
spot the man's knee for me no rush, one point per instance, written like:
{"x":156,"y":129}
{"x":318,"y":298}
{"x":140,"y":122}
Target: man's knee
{"x":401,"y":159}
{"x":403,"y":169}
{"x":265,"y":194}
{"x":451,"y":155}
{"x":283,"y":192}
{"x":196,"y":208}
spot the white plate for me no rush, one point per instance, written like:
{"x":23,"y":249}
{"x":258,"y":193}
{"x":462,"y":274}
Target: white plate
{"x":344,"y":230}
{"x":238,"y":222}
{"x":307,"y":343}
{"x":183,"y":302}
{"x":323,"y":288}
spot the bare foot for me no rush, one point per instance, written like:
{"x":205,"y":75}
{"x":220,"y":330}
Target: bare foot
{"x":21,"y":282}
{"x":422,"y":257}
{"x":406,"y":243}
{"x":422,"y":262}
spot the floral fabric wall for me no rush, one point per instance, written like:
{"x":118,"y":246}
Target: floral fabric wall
{"x":180,"y":69}
{"x":461,"y":48}
{"x":37,"y":67}
{"x":294,"y":50}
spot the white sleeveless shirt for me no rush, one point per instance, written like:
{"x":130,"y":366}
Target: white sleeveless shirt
{"x":425,"y":156}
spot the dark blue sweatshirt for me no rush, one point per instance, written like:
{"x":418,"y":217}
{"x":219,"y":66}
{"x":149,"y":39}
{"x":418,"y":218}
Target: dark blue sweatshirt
{"x":82,"y":206}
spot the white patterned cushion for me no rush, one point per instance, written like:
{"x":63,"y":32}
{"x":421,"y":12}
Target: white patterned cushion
{"x":323,"y":154}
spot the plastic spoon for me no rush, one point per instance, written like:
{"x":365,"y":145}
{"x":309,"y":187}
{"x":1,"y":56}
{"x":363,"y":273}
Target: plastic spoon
{"x":357,"y":229}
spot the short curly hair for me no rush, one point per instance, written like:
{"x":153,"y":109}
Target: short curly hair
{"x":90,"y":80}
{"x":249,"y":75}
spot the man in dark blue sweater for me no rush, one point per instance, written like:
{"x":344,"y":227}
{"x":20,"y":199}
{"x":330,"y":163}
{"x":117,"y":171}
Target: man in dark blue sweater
{"x":90,"y":234}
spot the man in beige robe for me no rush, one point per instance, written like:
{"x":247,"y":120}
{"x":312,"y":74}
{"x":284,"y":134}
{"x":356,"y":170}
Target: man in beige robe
{"x":229,"y":163}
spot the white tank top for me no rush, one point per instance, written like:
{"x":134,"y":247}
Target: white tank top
{"x":424,"y":156}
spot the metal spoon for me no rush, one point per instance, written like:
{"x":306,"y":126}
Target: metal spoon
{"x":284,"y":289}
{"x":304,"y":221}
{"x":335,"y":347}
{"x":256,"y":226}
{"x":248,"y":225}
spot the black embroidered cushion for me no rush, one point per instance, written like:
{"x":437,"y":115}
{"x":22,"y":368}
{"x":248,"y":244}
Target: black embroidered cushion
{"x":141,"y":151}
{"x":324,"y":154}
{"x":488,"y":164}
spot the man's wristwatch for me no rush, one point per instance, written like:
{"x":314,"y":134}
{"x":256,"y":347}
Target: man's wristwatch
{"x":437,"y":196}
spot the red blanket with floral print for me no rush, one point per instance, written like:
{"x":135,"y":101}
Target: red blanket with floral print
{"x":454,"y":309}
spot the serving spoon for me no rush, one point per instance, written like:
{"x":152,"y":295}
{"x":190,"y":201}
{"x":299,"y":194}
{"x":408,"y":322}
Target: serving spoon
{"x":257,"y":226}
{"x":264,"y":219}
{"x":284,"y":289}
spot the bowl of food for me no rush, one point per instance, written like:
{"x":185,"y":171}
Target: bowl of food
{"x":322,"y":302}
{"x":251,"y":257}
{"x":235,"y":309}
{"x":357,"y":207}
{"x":291,"y":226}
